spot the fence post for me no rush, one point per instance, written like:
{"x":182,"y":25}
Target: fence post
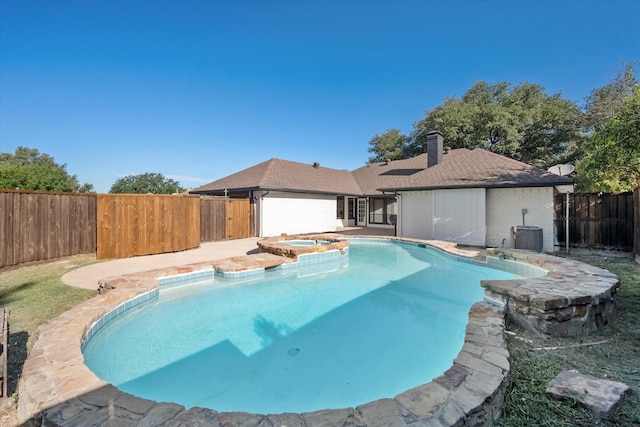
{"x":4,"y":351}
{"x":567,"y":223}
{"x":636,"y":223}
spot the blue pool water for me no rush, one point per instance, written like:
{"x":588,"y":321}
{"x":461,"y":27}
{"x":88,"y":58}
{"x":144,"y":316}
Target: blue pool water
{"x":380,"y":321}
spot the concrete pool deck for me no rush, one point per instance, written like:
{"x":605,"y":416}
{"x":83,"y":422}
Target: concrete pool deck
{"x":57,"y":388}
{"x":87,"y":277}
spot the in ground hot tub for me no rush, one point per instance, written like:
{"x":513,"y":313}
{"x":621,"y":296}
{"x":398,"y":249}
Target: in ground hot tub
{"x":293,"y":247}
{"x":305,"y":242}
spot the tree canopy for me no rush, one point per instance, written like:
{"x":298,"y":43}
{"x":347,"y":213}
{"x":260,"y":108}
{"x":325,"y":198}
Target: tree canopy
{"x":521,"y":122}
{"x":390,"y":145}
{"x":28,"y":169}
{"x":610,"y":155}
{"x":144,"y":183}
{"x":524,"y":123}
{"x":611,"y":159}
{"x":603,"y":103}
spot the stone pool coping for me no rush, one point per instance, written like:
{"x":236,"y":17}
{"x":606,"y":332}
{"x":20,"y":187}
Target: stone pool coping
{"x":58,"y":389}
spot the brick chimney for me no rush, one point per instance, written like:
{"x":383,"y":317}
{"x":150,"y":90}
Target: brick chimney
{"x":435,"y":147}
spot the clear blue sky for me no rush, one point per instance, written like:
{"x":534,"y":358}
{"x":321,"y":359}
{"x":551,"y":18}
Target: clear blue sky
{"x":198,"y":89}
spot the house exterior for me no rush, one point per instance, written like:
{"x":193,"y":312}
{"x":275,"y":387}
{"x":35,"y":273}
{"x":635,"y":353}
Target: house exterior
{"x":375,"y":207}
{"x":288,"y":197}
{"x":475,"y":197}
{"x":471,"y":197}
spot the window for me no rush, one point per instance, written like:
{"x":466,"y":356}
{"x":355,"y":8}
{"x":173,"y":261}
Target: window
{"x":352,"y":208}
{"x":340,"y":209}
{"x":380,"y":209}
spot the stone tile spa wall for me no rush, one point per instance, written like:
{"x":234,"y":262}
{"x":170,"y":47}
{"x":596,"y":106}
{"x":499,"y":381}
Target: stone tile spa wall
{"x":573,"y":299}
{"x":278,"y":245}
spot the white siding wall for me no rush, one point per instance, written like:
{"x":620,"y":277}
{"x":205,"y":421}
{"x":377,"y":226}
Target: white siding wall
{"x":415,"y":217}
{"x":460,"y":216}
{"x":297,"y":213}
{"x":504,"y":210}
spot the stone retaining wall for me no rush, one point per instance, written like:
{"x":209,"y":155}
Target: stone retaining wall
{"x":573,"y":299}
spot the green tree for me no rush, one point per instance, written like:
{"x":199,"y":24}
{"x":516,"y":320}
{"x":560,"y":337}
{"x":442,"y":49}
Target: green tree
{"x":390,"y":145}
{"x":28,"y":169}
{"x":611,"y":159}
{"x":144,"y":183}
{"x":520,"y":122}
{"x":603,"y":103}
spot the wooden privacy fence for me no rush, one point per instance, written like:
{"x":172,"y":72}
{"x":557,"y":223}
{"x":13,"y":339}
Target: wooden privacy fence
{"x":135,"y":224}
{"x":596,"y":220}
{"x":224,"y":219}
{"x":36,"y":225}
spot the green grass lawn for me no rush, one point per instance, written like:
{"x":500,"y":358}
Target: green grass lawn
{"x":36,"y":295}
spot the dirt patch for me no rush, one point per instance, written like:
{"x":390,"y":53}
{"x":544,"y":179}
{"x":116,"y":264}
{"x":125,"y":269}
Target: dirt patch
{"x":8,"y":412}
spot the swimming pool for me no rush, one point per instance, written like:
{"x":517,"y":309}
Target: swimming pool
{"x":387,"y":318}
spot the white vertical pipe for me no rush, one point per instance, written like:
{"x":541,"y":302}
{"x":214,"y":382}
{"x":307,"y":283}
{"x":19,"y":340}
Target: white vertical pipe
{"x":567,"y":221}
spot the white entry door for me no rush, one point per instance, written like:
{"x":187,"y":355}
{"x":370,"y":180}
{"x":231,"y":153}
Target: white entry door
{"x":362,"y":212}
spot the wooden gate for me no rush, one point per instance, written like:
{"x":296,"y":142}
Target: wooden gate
{"x":212,"y":219}
{"x":224,"y":219}
{"x":237,"y":218}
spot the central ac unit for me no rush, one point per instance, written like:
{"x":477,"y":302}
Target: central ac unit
{"x":526,"y":237}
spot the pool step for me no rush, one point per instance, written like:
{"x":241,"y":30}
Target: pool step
{"x":250,"y":262}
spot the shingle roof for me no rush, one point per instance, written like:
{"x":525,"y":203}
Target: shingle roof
{"x":277,"y":174}
{"x":373,"y":176}
{"x":460,"y":168}
{"x":478,"y":168}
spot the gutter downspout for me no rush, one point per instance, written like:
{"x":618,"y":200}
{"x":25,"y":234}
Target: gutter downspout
{"x":261,"y":209}
{"x":254,"y":210}
{"x":398,"y":222}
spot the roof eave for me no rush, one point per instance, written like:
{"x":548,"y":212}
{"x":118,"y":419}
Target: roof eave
{"x":303,"y":191}
{"x":280,"y":189}
{"x":222,"y":190}
{"x":501,"y":185}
